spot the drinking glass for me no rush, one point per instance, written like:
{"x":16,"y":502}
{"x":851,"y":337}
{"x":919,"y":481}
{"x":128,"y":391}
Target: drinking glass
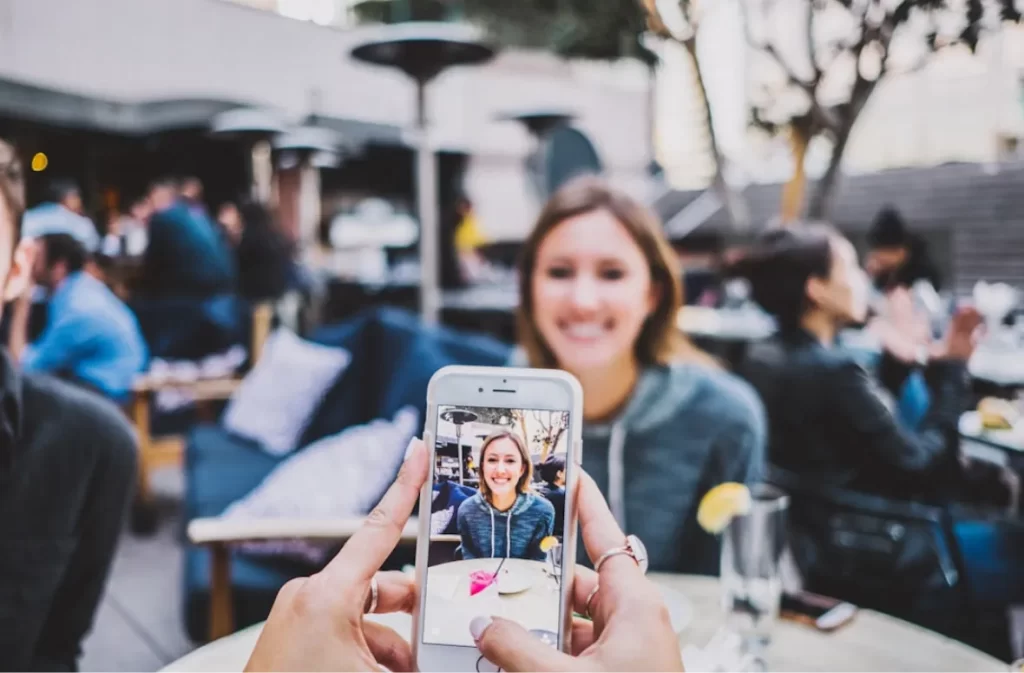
{"x":751,"y":578}
{"x":554,"y":562}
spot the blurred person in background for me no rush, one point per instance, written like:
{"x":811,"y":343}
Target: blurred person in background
{"x":829,"y":420}
{"x":90,"y":337}
{"x":62,"y":213}
{"x":192,"y":196}
{"x":662,"y":422}
{"x":67,"y":470}
{"x":185,"y":256}
{"x":898,"y":258}
{"x":127,"y":234}
{"x":552,"y":472}
{"x":263,"y":254}
{"x":186,"y":299}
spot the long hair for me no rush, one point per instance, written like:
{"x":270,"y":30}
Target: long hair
{"x":523,"y":485}
{"x":660,"y":340}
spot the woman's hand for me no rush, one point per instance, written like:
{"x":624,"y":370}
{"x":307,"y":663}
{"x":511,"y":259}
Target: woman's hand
{"x":630,"y":631}
{"x":317,"y":622}
{"x":963,"y":335}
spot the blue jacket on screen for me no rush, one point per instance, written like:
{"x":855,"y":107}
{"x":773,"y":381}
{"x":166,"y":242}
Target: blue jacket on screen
{"x":489,"y":533}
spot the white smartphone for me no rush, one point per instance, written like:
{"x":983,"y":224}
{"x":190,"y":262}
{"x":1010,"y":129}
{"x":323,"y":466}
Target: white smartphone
{"x":497,"y":532}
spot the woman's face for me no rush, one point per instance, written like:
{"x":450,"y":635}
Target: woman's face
{"x":592,"y":291}
{"x":844,"y":294}
{"x":502,"y":466}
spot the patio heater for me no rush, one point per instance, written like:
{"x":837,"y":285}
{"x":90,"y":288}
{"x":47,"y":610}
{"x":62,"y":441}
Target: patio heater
{"x":423,"y":50}
{"x":540,"y":123}
{"x":458,"y":418}
{"x":254,"y":127}
{"x":307,"y":149}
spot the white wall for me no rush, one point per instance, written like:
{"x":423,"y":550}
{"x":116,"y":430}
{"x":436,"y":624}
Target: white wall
{"x":139,"y":50}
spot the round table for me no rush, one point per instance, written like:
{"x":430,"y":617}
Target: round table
{"x":872,"y":642}
{"x":451,"y":608}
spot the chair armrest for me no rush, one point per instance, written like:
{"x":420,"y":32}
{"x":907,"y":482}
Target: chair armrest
{"x":445,"y":538}
{"x":213,"y":530}
{"x":202,"y":390}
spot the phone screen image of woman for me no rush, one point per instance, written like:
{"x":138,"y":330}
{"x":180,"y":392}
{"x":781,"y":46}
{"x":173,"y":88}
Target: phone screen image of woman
{"x":497,"y":521}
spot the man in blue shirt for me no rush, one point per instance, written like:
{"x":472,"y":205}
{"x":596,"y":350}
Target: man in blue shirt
{"x":90,"y":337}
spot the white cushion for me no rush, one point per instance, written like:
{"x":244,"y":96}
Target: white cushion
{"x":340,"y":476}
{"x":274,"y":403}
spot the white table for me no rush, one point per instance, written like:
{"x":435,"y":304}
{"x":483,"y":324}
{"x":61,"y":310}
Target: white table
{"x":872,"y":642}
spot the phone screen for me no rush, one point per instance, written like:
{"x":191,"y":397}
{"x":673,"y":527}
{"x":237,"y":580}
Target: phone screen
{"x":497,"y":521}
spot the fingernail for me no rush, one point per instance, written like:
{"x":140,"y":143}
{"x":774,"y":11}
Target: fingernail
{"x":478,"y":626}
{"x":409,"y":449}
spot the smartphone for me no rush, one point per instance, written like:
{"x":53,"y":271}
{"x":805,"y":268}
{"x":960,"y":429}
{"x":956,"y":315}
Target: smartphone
{"x":821,"y":612}
{"x":497,"y":531}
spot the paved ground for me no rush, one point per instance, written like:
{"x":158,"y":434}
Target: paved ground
{"x":139,"y":625}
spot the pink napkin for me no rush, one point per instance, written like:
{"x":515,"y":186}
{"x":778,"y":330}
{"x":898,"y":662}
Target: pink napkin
{"x":480,"y":580}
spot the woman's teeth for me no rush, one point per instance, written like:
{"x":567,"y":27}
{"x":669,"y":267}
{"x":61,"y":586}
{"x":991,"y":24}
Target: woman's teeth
{"x":584,"y":330}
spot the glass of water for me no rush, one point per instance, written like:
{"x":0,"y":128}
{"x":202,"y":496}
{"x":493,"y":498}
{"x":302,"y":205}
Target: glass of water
{"x":751,"y":577}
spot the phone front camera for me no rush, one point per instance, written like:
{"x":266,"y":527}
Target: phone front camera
{"x":480,"y":390}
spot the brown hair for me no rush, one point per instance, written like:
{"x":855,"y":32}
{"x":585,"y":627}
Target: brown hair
{"x":659,"y":341}
{"x":523,"y":485}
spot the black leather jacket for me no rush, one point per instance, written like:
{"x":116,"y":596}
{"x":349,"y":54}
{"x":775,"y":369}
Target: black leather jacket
{"x":831,"y":422}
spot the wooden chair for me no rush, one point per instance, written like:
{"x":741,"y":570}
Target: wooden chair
{"x":220,"y":535}
{"x":157,"y":452}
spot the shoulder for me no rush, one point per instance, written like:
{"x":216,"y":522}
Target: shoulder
{"x":83,"y":417}
{"x":730,"y":400}
{"x":467,"y":507}
{"x":541,"y":505}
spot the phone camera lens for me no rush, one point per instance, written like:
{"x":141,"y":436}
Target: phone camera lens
{"x":480,"y":390}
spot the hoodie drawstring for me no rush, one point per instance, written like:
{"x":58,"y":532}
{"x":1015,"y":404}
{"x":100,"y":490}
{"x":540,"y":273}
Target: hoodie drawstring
{"x":616,"y":474}
{"x":508,"y":533}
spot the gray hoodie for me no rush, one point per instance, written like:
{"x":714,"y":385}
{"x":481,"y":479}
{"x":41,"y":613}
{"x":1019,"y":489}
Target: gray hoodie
{"x":490,"y":533}
{"x":685,"y":429}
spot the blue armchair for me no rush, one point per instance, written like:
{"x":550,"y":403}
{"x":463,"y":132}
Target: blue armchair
{"x":393,"y":358}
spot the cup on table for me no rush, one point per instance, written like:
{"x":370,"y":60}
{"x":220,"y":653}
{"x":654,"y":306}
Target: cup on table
{"x":751,"y":574}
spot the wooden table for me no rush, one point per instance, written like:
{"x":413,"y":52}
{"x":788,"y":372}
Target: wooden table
{"x":872,"y":642}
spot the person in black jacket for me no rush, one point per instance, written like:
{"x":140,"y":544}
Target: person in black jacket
{"x":829,"y":420}
{"x":896,"y":257}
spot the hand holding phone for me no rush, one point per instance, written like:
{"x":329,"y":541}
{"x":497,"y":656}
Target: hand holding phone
{"x":317,"y":622}
{"x":630,"y":630}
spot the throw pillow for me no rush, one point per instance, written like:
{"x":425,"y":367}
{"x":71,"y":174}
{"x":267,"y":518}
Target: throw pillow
{"x":275,"y":401}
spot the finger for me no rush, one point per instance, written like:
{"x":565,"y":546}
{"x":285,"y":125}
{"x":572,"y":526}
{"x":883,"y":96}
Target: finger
{"x":371,"y":545}
{"x":510,"y":647}
{"x":584,"y":582}
{"x":583,"y":635}
{"x":387,"y":647}
{"x":601,"y":533}
{"x":396,"y":592}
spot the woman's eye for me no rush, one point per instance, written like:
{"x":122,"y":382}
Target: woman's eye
{"x":612,"y":274}
{"x":560,"y":272}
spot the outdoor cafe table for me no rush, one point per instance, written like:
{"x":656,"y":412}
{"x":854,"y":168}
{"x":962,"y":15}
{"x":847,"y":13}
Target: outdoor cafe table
{"x":871,"y":642}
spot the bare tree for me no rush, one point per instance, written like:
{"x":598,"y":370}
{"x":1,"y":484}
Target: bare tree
{"x":551,"y":426}
{"x":845,"y":41}
{"x":679,"y":22}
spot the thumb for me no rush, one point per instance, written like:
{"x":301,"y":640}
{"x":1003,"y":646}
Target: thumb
{"x":510,"y":647}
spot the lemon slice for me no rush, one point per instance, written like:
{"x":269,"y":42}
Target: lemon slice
{"x":548,"y":543}
{"x":721,"y":504}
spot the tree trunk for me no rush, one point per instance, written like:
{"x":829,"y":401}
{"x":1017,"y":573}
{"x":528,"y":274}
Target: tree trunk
{"x":735,"y":207}
{"x":824,"y":191}
{"x":793,"y":190}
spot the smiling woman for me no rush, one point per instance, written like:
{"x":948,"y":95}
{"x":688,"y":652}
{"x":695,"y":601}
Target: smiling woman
{"x":600,"y":289}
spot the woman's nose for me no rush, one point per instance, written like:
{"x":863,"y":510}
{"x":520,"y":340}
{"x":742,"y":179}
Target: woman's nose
{"x":585,"y":294}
